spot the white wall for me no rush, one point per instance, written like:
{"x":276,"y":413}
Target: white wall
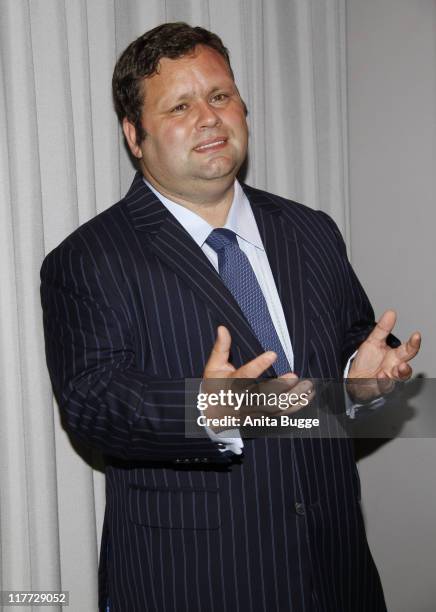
{"x":391,"y":53}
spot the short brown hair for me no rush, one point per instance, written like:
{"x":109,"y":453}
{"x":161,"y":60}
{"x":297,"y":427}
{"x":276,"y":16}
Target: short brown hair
{"x":141,"y":59}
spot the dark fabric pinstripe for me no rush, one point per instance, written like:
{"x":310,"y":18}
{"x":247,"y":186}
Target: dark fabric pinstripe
{"x":131,"y":306}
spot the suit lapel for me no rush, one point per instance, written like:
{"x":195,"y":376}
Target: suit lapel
{"x":283,"y":244}
{"x":167,"y":239}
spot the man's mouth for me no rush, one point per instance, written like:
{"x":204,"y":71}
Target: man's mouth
{"x":208,"y":145}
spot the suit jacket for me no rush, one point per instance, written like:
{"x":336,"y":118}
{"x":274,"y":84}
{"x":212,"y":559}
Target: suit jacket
{"x":131,"y":306}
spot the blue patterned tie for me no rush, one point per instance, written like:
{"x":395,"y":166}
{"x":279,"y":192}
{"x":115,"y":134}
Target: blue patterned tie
{"x":239,"y":278}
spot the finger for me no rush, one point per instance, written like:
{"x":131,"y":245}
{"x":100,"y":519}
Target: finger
{"x":386,"y":386}
{"x":384,"y":326}
{"x":282,"y":384}
{"x":407,"y":351}
{"x":367,"y":389}
{"x":286,"y":382}
{"x":398,"y":373}
{"x":302,"y":385}
{"x":219,"y":355}
{"x":404,"y":371}
{"x":257,"y":366}
{"x":306,"y":397}
{"x":382,"y":374}
{"x":301,"y":394}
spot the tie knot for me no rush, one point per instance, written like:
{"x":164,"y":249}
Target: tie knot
{"x":220,"y":238}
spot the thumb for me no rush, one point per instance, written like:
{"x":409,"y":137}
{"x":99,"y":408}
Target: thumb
{"x":384,"y":326}
{"x":220,"y":353}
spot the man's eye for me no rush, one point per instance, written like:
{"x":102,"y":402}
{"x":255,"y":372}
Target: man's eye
{"x":179,"y":107}
{"x":221,"y":97}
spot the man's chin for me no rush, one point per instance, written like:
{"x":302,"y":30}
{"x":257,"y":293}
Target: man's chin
{"x":219,"y":169}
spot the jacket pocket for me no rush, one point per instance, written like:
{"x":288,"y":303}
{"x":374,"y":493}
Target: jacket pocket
{"x":174,"y":508}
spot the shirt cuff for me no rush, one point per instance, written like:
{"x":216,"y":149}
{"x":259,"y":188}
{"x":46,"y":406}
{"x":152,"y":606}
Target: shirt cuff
{"x":352,"y":408}
{"x":229,"y":440}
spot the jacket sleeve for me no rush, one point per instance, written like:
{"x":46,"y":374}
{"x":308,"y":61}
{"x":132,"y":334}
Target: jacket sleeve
{"x":357,"y":312}
{"x":105,"y":401}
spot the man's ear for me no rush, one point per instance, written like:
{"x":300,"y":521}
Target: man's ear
{"x":130,"y":134}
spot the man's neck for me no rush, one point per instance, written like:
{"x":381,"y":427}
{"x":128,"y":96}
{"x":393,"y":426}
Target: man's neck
{"x":212,"y":207}
{"x":215,"y":213}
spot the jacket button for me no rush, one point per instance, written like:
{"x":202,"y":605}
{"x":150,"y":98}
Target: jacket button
{"x":299,"y":508}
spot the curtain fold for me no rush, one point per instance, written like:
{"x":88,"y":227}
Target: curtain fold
{"x":62,"y":160}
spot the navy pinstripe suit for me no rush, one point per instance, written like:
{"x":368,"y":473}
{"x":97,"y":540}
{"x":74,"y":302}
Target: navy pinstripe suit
{"x":131,"y":306}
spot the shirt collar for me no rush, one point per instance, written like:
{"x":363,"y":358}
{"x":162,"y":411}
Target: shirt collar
{"x":240,"y":218}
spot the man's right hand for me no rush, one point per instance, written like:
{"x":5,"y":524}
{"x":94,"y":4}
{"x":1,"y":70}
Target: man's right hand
{"x":218,"y":366}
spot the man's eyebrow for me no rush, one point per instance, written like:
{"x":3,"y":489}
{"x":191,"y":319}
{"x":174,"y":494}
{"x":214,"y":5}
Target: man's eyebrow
{"x":225,"y":86}
{"x":168,"y":100}
{"x":187,"y":95}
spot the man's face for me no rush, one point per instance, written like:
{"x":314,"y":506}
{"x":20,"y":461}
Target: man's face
{"x":195,"y":123}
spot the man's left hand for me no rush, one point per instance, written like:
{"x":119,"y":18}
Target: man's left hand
{"x":379,"y":364}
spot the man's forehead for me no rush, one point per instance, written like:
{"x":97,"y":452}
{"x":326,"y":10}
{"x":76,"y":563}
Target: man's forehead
{"x":170,"y":76}
{"x":199,"y":55}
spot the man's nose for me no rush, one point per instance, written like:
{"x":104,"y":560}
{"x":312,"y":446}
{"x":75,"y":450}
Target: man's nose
{"x":207,"y":116}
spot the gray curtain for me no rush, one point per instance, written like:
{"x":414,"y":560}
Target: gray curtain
{"x":62,"y":160}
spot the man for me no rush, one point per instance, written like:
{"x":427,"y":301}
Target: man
{"x":147,"y":294}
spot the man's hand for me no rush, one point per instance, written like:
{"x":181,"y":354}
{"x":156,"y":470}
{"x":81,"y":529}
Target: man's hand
{"x":379,"y":364}
{"x":219,"y":367}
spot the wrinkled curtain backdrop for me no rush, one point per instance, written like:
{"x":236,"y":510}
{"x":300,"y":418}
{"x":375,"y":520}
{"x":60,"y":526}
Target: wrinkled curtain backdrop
{"x":62,"y":160}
